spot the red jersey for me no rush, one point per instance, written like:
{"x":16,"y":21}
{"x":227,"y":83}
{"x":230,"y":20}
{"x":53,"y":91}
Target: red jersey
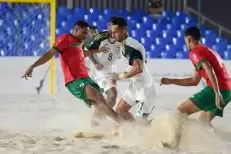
{"x":202,"y":53}
{"x":71,"y":57}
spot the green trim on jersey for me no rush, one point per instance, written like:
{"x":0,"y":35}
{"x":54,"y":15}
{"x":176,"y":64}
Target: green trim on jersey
{"x":200,"y":64}
{"x":57,"y":49}
{"x":94,"y":43}
{"x":75,"y":45}
{"x":131,"y":53}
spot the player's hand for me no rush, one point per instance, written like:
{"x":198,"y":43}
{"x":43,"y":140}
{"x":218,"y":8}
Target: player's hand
{"x":104,"y":49}
{"x":28,"y":73}
{"x":98,"y":66}
{"x":164,"y":81}
{"x":219,"y":100}
{"x":114,"y":76}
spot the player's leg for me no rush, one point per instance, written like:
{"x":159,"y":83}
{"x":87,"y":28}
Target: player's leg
{"x":147,"y":100}
{"x":111,"y":92}
{"x":212,"y":110}
{"x":188,"y":107}
{"x":123,"y":110}
{"x":100,"y":103}
{"x":207,"y":117}
{"x":89,"y":92}
{"x":125,"y":104}
{"x":204,"y":101}
{"x":111,"y":100}
{"x":109,"y":88}
{"x":111,"y":96}
{"x":201,"y":101}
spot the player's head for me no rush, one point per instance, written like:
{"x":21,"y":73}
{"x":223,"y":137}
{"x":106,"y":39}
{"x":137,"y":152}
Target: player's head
{"x":110,"y":21}
{"x":93,"y":31}
{"x":192,"y":37}
{"x":80,"y":30}
{"x":119,"y":28}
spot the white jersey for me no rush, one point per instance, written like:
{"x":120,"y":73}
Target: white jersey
{"x":142,"y":88}
{"x":108,"y":60}
{"x":110,"y":57}
{"x":130,"y":46}
{"x":100,"y":40}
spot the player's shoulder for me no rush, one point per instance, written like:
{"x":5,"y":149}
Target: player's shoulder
{"x":200,"y":49}
{"x":132,"y":44}
{"x":131,"y":41}
{"x":101,"y":36}
{"x":63,"y":36}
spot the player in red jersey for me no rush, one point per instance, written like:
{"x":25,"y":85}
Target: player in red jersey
{"x":74,"y":70}
{"x":209,"y":65}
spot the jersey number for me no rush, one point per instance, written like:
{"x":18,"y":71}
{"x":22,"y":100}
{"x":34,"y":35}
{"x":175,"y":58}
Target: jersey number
{"x":220,"y":61}
{"x":140,"y":106}
{"x":110,"y":56}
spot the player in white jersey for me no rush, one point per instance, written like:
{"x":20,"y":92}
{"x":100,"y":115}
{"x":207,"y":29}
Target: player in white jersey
{"x":104,"y":63}
{"x":142,"y":90}
{"x":91,"y":34}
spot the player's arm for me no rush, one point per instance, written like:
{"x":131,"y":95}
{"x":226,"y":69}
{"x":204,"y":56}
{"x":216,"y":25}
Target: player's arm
{"x":213,"y":79}
{"x":136,"y":61}
{"x":45,"y":58}
{"x":211,"y":75}
{"x":87,"y":53}
{"x":90,"y":53}
{"x":192,"y":81}
{"x":94,"y":44}
{"x":59,"y":46}
{"x":137,"y":68}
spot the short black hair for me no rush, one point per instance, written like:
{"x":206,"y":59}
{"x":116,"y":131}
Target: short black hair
{"x":93,"y":27}
{"x":112,"y":18}
{"x":81,"y":23}
{"x":194,"y":32}
{"x":120,"y":21}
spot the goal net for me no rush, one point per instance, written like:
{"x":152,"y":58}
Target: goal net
{"x":24,"y":29}
{"x":27,"y":29}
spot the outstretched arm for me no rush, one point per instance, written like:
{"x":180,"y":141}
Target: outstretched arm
{"x":45,"y":58}
{"x":42,"y":60}
{"x":192,"y":81}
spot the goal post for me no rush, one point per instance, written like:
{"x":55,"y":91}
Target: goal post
{"x":45,"y":34}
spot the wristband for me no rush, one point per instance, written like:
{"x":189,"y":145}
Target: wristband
{"x":121,"y":76}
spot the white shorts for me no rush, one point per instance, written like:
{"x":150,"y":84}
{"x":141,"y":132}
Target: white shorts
{"x":145,"y":95}
{"x":105,"y":83}
{"x":104,"y":80}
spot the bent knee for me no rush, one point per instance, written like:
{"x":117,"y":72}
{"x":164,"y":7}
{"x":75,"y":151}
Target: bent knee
{"x":188,"y":107}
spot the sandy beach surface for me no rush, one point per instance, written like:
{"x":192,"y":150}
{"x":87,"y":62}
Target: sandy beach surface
{"x":32,"y":124}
